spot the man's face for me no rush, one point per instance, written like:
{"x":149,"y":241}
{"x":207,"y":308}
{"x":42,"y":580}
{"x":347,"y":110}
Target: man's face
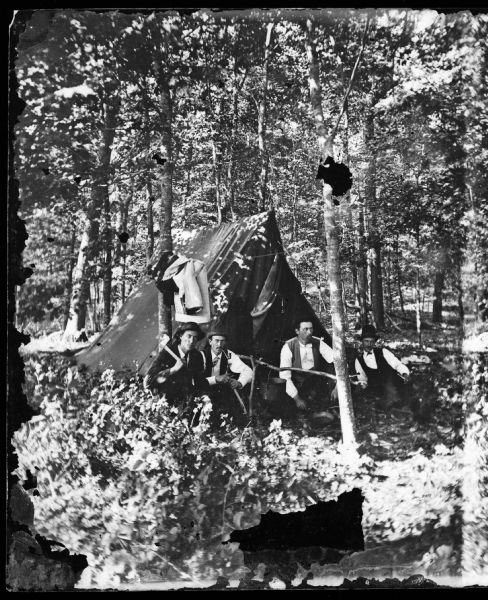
{"x":188,"y":340}
{"x":305,"y":331}
{"x":368,"y":344}
{"x":217,"y":343}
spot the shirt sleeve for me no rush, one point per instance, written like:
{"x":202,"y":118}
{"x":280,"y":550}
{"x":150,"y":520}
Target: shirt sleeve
{"x":286,"y":361}
{"x":238,"y":366}
{"x":326,"y":352}
{"x":394,"y":363}
{"x":212,"y":380}
{"x":362,"y":377}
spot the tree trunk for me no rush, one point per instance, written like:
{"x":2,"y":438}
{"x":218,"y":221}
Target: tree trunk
{"x":69,"y":277}
{"x":216,"y":173}
{"x":362,"y":273}
{"x":107,"y":266}
{"x":231,"y":184}
{"x":186,"y":195}
{"x":388,"y":280}
{"x":120,"y":254}
{"x":166,"y":179}
{"x":91,"y":225}
{"x":439,"y":279}
{"x":333,"y":262}
{"x":374,"y":254}
{"x":346,"y":205}
{"x":459,"y":290}
{"x":262,"y":117}
{"x":396,"y":261}
{"x":150,"y":222}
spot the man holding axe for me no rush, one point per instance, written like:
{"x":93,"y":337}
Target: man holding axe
{"x":178,"y":370}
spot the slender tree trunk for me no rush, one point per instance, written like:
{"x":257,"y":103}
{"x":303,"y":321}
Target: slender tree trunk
{"x":459,"y":290}
{"x":388,"y":280}
{"x":362,"y":272}
{"x":107,"y":267}
{"x":125,"y":222}
{"x":396,"y":261}
{"x":438,"y":289}
{"x":91,"y":225}
{"x":262,"y":118}
{"x":186,"y":195}
{"x":417,"y":295}
{"x":166,"y":179}
{"x":439,"y":281}
{"x":231,"y":183}
{"x":150,"y":222}
{"x":346,"y":205}
{"x":216,"y":173}
{"x":377,"y":282}
{"x":231,"y":186}
{"x":333,"y":262}
{"x":374,"y":254}
{"x":69,"y":277}
{"x":120,"y":256}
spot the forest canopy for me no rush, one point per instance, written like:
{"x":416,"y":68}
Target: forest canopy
{"x":211,"y":110}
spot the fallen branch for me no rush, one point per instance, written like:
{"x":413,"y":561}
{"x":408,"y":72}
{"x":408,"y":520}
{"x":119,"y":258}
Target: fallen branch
{"x":423,"y":323}
{"x":393,"y":323}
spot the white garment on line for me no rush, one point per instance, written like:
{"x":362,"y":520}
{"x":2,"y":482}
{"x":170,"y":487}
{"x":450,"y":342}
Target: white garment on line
{"x":190,"y":276}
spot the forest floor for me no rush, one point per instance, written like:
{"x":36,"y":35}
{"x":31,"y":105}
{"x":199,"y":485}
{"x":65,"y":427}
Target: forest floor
{"x":411,"y":474}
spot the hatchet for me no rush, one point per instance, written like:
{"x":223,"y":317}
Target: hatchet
{"x":163,"y":345}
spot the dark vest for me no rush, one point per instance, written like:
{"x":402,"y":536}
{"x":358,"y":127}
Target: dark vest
{"x":319,"y":363}
{"x":224,"y":363}
{"x":382,"y":373}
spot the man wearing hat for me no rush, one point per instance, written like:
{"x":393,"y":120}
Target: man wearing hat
{"x":379,"y":370}
{"x":179,"y":378}
{"x":219,"y":366}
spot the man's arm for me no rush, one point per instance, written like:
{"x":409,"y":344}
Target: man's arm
{"x":396,"y":364}
{"x":236,"y":365}
{"x":286,"y":361}
{"x":161,"y":364}
{"x":362,"y":377}
{"x":326,"y":352}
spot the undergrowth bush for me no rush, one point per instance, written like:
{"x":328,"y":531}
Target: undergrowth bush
{"x":123,"y":480}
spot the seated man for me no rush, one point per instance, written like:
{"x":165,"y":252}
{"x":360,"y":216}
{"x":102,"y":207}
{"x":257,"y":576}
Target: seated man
{"x":220,"y":364}
{"x":308,"y":392}
{"x":183,"y":379}
{"x":380,"y":372}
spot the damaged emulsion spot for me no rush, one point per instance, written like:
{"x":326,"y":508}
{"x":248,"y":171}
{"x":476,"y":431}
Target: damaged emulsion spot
{"x":337,"y":175}
{"x":325,"y":532}
{"x":123,"y":237}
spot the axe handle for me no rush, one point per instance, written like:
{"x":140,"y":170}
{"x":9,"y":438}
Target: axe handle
{"x":240,"y":401}
{"x":169,"y":351}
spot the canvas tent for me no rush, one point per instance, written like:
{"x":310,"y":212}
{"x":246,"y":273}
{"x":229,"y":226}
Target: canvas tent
{"x":255,"y":298}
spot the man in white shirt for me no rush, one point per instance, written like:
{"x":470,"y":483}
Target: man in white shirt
{"x":221,"y":367}
{"x":309,"y":392}
{"x":379,"y":371}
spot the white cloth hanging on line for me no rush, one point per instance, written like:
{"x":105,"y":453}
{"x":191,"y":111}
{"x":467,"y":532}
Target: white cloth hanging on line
{"x":192,"y":301}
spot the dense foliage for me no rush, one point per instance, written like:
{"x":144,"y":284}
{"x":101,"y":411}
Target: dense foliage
{"x":145,"y":495}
